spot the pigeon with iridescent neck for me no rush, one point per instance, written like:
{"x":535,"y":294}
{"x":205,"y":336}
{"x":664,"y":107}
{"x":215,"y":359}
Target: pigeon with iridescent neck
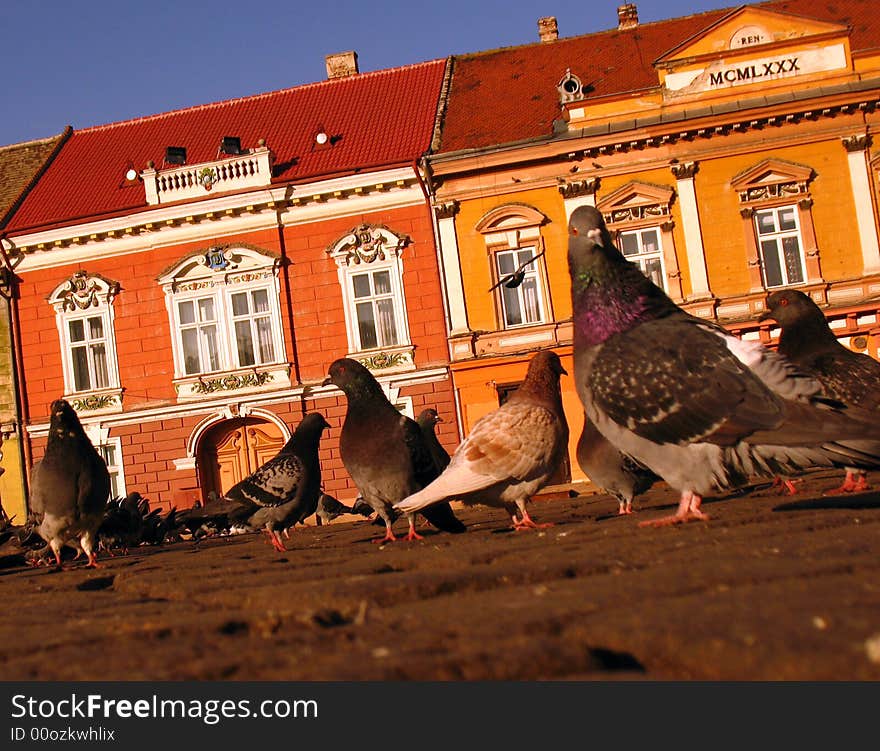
{"x":699,"y":407}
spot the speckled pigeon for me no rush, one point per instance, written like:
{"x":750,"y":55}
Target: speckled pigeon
{"x":701,"y":408}
{"x":808,"y":341}
{"x":70,"y":486}
{"x":610,"y":470}
{"x":428,"y":420}
{"x":383,"y":450}
{"x":285,"y":489}
{"x":510,"y":453}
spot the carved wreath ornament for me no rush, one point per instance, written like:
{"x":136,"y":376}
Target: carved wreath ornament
{"x":207,"y":177}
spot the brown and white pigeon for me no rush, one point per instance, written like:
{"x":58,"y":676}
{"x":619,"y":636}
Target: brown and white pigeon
{"x":428,"y":420}
{"x":509,"y":454}
{"x":699,"y":407}
{"x":70,"y":486}
{"x":807,"y":340}
{"x":609,"y":469}
{"x":383,"y":450}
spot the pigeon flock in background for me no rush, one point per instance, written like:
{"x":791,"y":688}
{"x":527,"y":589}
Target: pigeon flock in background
{"x":699,"y":407}
{"x":666,"y":397}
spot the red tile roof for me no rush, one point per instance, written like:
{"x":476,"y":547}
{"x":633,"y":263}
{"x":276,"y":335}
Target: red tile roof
{"x":509,"y":95}
{"x":382,"y":119}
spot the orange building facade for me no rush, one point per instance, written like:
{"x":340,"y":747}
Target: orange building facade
{"x":731,"y":153}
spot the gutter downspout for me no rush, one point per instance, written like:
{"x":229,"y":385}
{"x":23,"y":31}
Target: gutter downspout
{"x":21,"y":417}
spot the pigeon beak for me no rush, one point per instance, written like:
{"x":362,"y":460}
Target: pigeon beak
{"x":765,"y":315}
{"x":326,"y":381}
{"x":595,"y":235}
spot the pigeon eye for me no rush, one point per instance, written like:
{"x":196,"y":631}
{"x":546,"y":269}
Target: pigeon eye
{"x":783,"y":302}
{"x":574,"y":231}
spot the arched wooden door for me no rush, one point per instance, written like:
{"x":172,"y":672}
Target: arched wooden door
{"x":232,"y":449}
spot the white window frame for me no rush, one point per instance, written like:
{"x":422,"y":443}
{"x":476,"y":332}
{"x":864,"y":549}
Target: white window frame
{"x":372,"y":248}
{"x":356,"y":340}
{"x":516,"y":227}
{"x":641,"y":257}
{"x":237,"y":269}
{"x":778,"y":236}
{"x":78,"y":298}
{"x":99,"y":435}
{"x":531,"y":272}
{"x":219,"y":273}
{"x":116,"y":471}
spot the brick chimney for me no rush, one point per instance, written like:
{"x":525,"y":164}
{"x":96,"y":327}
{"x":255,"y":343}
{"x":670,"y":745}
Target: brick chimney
{"x":627,"y":16}
{"x":341,"y":64}
{"x":548,"y":31}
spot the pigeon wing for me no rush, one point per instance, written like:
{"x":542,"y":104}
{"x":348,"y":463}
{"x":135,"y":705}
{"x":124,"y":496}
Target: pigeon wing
{"x":673,"y":382}
{"x":852,"y":378}
{"x":275,"y":483}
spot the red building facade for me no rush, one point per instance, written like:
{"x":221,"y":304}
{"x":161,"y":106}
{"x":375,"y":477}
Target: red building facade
{"x":186,"y":279}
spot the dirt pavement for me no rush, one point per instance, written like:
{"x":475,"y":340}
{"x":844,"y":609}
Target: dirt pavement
{"x":771,"y":588}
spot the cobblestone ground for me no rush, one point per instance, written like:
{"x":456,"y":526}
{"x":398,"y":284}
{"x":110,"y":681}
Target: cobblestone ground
{"x":771,"y":588}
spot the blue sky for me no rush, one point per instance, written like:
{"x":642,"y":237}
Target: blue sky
{"x":90,"y":62}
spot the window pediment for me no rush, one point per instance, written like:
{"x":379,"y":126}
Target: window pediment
{"x":367,"y":243}
{"x":83,"y":290}
{"x":508,"y":217}
{"x":636,"y":201}
{"x":219,"y":264}
{"x":772,"y":178}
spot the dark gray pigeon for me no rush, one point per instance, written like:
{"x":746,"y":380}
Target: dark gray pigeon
{"x":329,"y":508}
{"x":609,"y":469}
{"x":383,"y":450}
{"x":285,"y":489}
{"x":70,"y":486}
{"x":701,"y":408}
{"x":807,"y":340}
{"x":428,"y":420}
{"x":509,"y":454}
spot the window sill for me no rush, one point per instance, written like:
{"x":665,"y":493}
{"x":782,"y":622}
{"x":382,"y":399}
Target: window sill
{"x":511,"y":341}
{"x":388,"y":359}
{"x":99,"y":402}
{"x":245,"y":381}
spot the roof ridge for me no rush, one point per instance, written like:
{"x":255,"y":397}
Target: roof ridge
{"x":256,"y":97}
{"x":35,"y":141}
{"x":613,"y":30}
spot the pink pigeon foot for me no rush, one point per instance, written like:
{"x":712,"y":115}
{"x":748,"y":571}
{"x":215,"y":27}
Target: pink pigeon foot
{"x":527,"y":523}
{"x":389,"y":536}
{"x":786,"y":486}
{"x":275,"y":540}
{"x":855,"y":482}
{"x":688,"y":510}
